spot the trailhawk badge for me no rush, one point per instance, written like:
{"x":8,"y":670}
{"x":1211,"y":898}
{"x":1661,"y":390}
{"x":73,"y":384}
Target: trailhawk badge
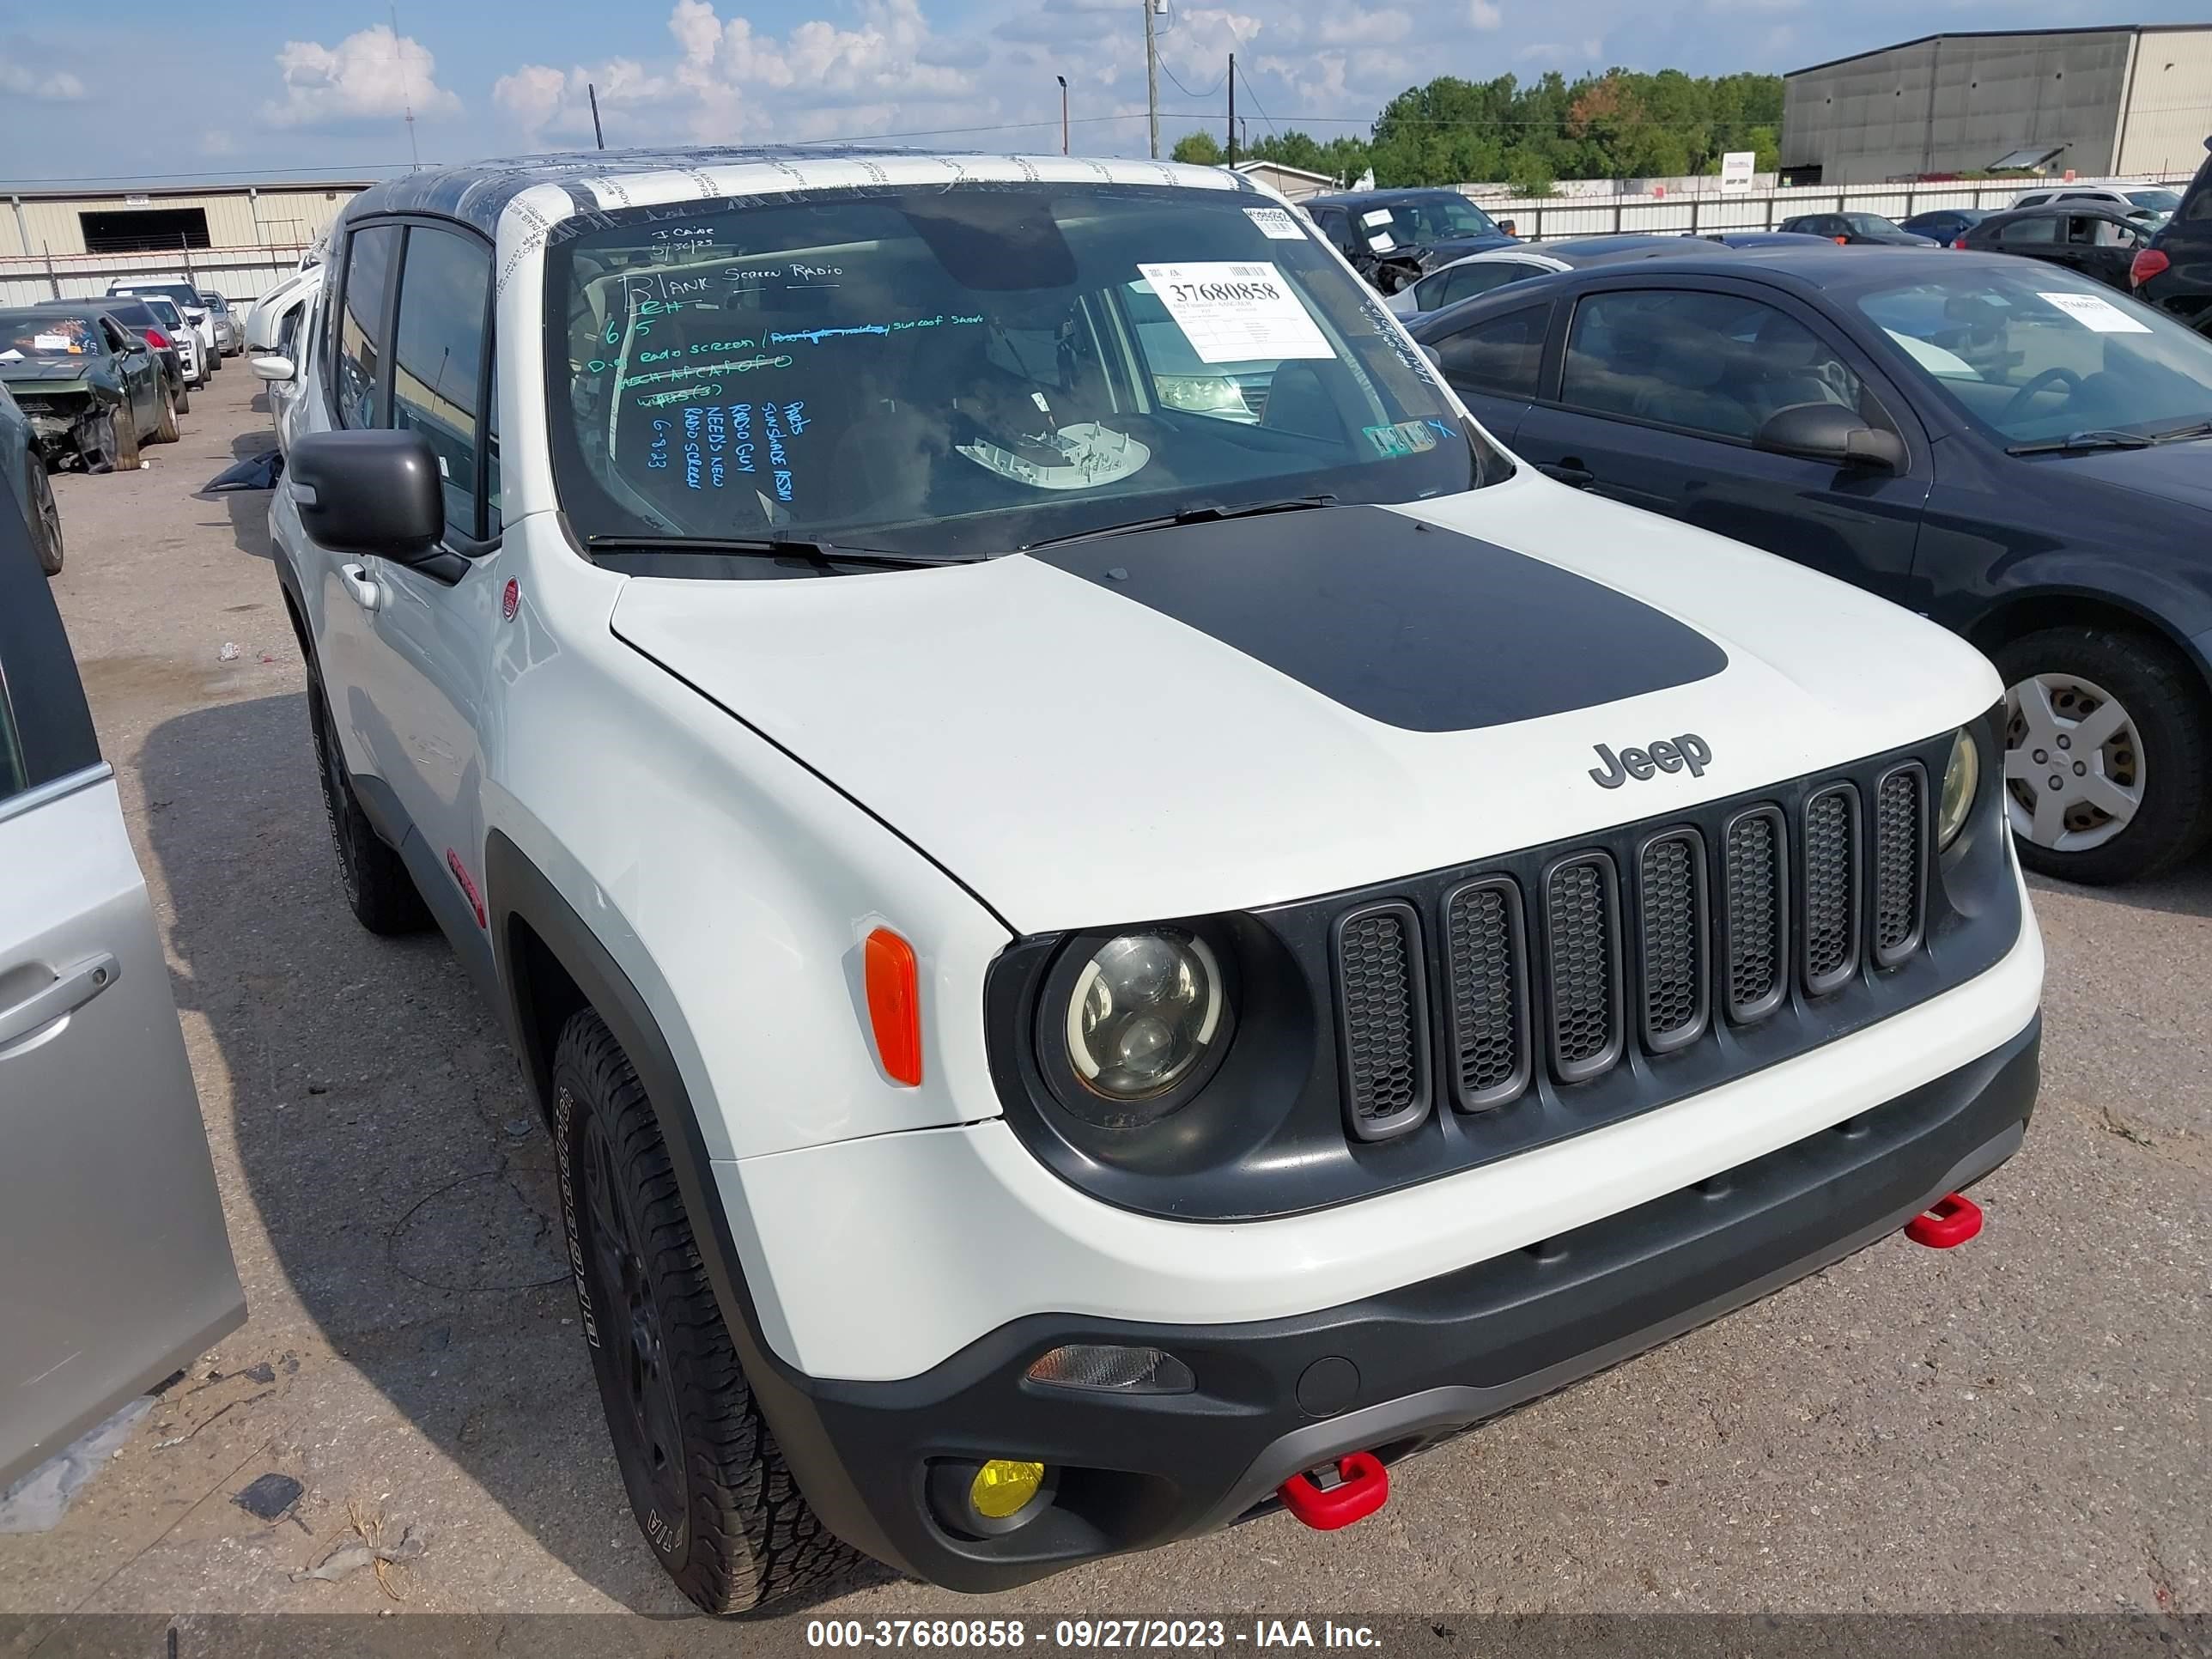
{"x":1689,"y":750}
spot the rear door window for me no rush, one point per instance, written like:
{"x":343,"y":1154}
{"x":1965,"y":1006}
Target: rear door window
{"x":1499,"y":355}
{"x":2030,"y":232}
{"x":372,"y":255}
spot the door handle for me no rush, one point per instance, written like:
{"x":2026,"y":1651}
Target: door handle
{"x":1567,"y":472}
{"x":358,"y":582}
{"x":76,"y":987}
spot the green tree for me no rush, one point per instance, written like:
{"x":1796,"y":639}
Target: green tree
{"x":1201,"y":149}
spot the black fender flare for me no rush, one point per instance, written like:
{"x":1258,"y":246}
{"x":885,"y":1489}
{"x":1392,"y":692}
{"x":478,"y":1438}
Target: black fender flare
{"x":517,"y":892}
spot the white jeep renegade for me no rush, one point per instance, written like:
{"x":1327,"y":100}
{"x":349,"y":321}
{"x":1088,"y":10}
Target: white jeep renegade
{"x":1120,"y":920}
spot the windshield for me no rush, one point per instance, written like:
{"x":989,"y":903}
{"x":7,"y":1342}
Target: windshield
{"x":131,"y":313}
{"x":183,"y":292}
{"x":2040,"y":353}
{"x":1419,"y":223}
{"x":45,"y":334}
{"x":1868,"y":224}
{"x":2158,"y":201}
{"x":164,"y":309}
{"x":968,"y":371}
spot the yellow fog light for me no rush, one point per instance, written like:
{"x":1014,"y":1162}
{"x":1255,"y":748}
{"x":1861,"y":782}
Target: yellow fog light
{"x":1002,"y":1489}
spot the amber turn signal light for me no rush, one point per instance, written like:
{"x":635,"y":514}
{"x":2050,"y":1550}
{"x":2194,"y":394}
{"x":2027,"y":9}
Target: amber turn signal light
{"x":895,"y":1006}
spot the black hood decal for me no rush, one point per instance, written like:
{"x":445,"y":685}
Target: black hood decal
{"x":1398,"y":619}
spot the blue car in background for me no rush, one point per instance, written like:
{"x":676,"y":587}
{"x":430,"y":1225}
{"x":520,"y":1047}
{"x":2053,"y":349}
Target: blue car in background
{"x":2007,"y":447}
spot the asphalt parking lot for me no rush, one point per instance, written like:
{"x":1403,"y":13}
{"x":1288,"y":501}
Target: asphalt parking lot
{"x":2019,"y":1425}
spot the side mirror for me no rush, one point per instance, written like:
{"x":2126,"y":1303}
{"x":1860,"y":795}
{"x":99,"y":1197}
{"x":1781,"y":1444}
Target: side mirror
{"x":372,"y":491}
{"x":274,"y":367}
{"x":1829,"y":432}
{"x":135,"y":349}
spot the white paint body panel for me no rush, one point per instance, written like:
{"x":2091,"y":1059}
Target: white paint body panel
{"x":870,"y":1246}
{"x":952,"y":705}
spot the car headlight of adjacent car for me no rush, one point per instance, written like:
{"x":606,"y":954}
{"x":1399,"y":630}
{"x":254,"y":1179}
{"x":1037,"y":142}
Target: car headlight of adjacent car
{"x":1140,"y":1019}
{"x":1962,"y":776}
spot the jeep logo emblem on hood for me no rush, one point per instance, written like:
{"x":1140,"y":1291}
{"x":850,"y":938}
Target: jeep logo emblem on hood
{"x":1665,"y":755}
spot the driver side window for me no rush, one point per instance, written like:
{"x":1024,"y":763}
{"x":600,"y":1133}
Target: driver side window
{"x":1711,"y":363}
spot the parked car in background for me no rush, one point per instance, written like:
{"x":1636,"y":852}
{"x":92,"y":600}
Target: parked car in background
{"x":1393,"y":237}
{"x":2010,"y":448}
{"x":229,"y":328}
{"x":261,"y":317}
{"x":2156,"y":202}
{"x":188,"y":300}
{"x":172,"y":344}
{"x":115,"y":1268}
{"x":1944,"y":225}
{"x":92,"y":389}
{"x":2175,"y":272}
{"x":198,"y":362}
{"x":286,"y":364}
{"x":1857,"y":229}
{"x":2094,"y":237}
{"x":23,"y":473}
{"x":1759,"y":238}
{"x":1479,"y":273}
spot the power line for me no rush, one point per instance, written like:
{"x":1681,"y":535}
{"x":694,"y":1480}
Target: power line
{"x":1185,"y":90}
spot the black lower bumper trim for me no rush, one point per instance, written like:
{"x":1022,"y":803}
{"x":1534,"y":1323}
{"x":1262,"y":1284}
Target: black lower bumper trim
{"x":1405,"y":1368}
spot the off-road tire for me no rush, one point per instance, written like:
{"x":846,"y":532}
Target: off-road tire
{"x":45,"y":520}
{"x":381,"y":893}
{"x":2167,"y":703}
{"x":741,"y":1534}
{"x":167,"y":432}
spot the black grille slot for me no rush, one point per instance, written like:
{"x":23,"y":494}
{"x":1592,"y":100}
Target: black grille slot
{"x":1581,"y":955}
{"x":1756,"y":913}
{"x":1829,"y":878}
{"x":1672,"y":927}
{"x":1487,"y":959}
{"x":1382,"y":1026}
{"x":1900,"y":836}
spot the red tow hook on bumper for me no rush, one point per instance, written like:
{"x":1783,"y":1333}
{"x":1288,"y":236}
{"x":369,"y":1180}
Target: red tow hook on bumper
{"x":1360,"y":1487}
{"x":1947,"y":1223}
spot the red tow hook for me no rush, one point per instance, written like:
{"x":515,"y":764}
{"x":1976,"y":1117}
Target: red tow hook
{"x":1946,"y":1224}
{"x":1360,"y":1486}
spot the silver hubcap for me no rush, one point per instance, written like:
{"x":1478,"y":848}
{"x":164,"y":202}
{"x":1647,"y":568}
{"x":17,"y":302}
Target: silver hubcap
{"x":2074,"y":763}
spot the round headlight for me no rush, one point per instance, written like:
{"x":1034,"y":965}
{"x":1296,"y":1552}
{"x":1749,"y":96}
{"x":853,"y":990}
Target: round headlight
{"x":1961,"y":773}
{"x":1144,"y":1013}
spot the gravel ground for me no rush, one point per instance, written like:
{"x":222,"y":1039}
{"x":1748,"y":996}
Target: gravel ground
{"x":2020,"y":1425}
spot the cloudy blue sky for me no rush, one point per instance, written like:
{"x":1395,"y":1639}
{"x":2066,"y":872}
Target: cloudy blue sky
{"x":246,"y":90}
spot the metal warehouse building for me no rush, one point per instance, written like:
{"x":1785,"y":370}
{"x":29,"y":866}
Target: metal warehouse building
{"x":2126,"y":99}
{"x":240,"y":238}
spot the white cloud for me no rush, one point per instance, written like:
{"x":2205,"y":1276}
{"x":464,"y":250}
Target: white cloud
{"x":543,"y":102}
{"x":217,"y":142}
{"x":1367,"y":29}
{"x":47,"y":86}
{"x":1483,"y":14}
{"x":370,"y":75}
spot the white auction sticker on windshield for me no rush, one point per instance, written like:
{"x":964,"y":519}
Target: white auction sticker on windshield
{"x":1376,"y":216}
{"x":2092,"y":311}
{"x":1234,"y":314}
{"x":1275,"y":224}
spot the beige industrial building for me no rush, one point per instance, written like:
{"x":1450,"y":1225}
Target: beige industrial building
{"x":2119,"y":101}
{"x":37,"y":222}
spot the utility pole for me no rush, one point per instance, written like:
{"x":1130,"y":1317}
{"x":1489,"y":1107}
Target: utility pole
{"x":598,"y":137}
{"x":1062,"y":79}
{"x":406,"y":93}
{"x":1152,"y":77}
{"x":1232,"y":109}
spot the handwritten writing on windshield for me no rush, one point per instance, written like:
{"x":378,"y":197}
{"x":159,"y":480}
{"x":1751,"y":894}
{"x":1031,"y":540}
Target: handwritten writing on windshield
{"x":662,"y":376}
{"x":718,"y":441}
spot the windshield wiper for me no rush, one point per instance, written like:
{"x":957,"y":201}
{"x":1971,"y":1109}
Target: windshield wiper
{"x":2181,"y":434}
{"x":797,"y":547}
{"x":1205,"y":513}
{"x":2074,"y":442}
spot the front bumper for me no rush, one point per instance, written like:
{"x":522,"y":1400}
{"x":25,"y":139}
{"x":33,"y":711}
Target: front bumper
{"x":1392,"y":1373}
